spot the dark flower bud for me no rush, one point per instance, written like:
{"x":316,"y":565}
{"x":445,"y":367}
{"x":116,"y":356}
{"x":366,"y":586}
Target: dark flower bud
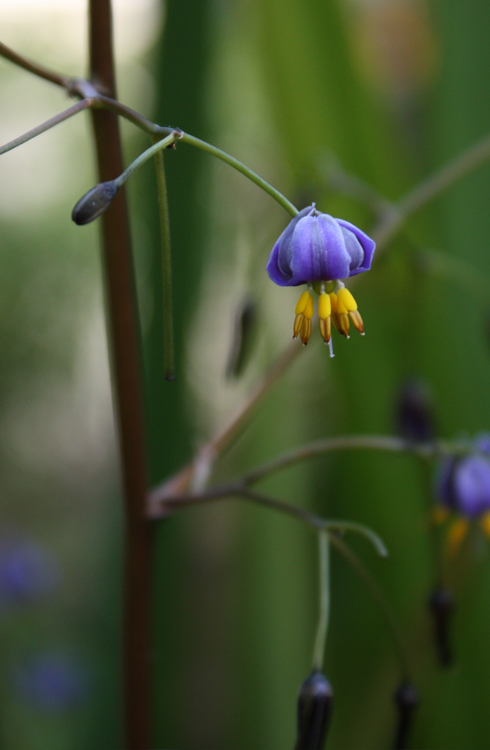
{"x":441,"y":605}
{"x":414,"y":412}
{"x":315,"y":702}
{"x":407,"y":699}
{"x":94,"y":203}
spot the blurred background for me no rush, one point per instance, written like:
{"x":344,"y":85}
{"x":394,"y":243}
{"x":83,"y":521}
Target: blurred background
{"x":311,"y":96}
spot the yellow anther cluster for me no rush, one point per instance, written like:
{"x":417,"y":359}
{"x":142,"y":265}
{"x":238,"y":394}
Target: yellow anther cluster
{"x":304,"y":314}
{"x":338,"y":307}
{"x":344,"y":307}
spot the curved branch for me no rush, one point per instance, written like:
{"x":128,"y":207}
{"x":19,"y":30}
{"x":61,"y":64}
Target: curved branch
{"x":353,"y":442}
{"x":47,"y":125}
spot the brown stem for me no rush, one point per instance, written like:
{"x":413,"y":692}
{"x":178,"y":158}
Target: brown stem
{"x":124,"y":334}
{"x":38,"y":70}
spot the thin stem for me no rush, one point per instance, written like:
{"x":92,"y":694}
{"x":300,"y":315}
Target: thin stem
{"x":205,"y":458}
{"x":279,"y":197}
{"x":161,"y":509}
{"x":32,"y":67}
{"x":145,"y":156}
{"x":430,"y":188}
{"x":354,"y":442}
{"x":61,"y":117}
{"x":105,"y":102}
{"x":321,"y":634}
{"x":168,"y":328}
{"x":380,"y":599}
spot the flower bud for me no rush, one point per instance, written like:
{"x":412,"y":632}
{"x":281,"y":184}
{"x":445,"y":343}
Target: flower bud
{"x":94,"y":203}
{"x":407,"y":699}
{"x":315,"y":702}
{"x":414,"y":412}
{"x":441,"y":605}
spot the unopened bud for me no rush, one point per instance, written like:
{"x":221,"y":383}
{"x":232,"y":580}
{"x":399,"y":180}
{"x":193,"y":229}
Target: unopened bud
{"x":407,"y":699}
{"x":315,"y":703}
{"x":441,"y":605}
{"x":94,"y":203}
{"x":414,"y":412}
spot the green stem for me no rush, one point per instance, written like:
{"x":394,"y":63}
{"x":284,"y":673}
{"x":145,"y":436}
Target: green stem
{"x":168,"y":328}
{"x":159,"y":507}
{"x":380,"y":599}
{"x":43,"y":127}
{"x":143,"y":158}
{"x":321,"y":633}
{"x":355,"y":442}
{"x":279,"y":197}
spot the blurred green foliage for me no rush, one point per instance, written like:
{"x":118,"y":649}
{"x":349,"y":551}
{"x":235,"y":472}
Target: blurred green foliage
{"x":387,"y":91}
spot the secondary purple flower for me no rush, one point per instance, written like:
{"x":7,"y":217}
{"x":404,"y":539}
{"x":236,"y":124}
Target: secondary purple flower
{"x":463,"y":489}
{"x":318,"y":250}
{"x":52,"y":682}
{"x":28,"y":571}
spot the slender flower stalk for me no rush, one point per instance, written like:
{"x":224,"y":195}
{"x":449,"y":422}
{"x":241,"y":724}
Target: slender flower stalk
{"x":168,"y":328}
{"x":324,"y":578}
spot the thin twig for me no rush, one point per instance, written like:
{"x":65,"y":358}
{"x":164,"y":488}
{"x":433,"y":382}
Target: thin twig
{"x":43,"y":127}
{"x":168,"y":327}
{"x":216,"y":446}
{"x":353,"y":442}
{"x":158,"y":509}
{"x":38,"y":70}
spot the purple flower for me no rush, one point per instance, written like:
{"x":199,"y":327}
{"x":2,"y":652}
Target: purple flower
{"x":28,"y":571}
{"x":317,"y":247}
{"x":318,"y":250}
{"x":52,"y":682}
{"x":463,"y":488}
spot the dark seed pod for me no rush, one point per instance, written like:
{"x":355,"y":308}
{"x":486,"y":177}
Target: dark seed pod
{"x":94,"y":203}
{"x":407,"y":699}
{"x":315,"y":703}
{"x":414,"y":412}
{"x":243,"y":338}
{"x":441,"y":605}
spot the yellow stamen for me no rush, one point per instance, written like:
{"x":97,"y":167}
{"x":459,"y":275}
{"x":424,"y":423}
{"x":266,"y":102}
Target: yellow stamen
{"x":324,"y":313}
{"x":324,"y":306}
{"x":356,"y":319}
{"x":301,"y":304}
{"x":346,"y":299}
{"x":485,"y":523}
{"x":304,"y":314}
{"x":456,"y":534}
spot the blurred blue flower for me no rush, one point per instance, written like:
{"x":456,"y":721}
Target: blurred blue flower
{"x":51,"y":682}
{"x":318,"y":250}
{"x":463,"y":489}
{"x":28,"y":571}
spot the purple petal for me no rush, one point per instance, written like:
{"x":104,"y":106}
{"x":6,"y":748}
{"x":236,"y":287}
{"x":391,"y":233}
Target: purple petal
{"x":472,"y":486}
{"x":280,"y":270}
{"x":367,"y":244}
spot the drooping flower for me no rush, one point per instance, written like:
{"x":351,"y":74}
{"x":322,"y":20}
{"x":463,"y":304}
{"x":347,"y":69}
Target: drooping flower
{"x":318,"y":250}
{"x":463,"y":489}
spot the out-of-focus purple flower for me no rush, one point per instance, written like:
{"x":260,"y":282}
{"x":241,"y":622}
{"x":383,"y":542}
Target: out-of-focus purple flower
{"x":28,"y":571}
{"x":318,"y":250}
{"x":463,"y":488}
{"x":51,"y":682}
